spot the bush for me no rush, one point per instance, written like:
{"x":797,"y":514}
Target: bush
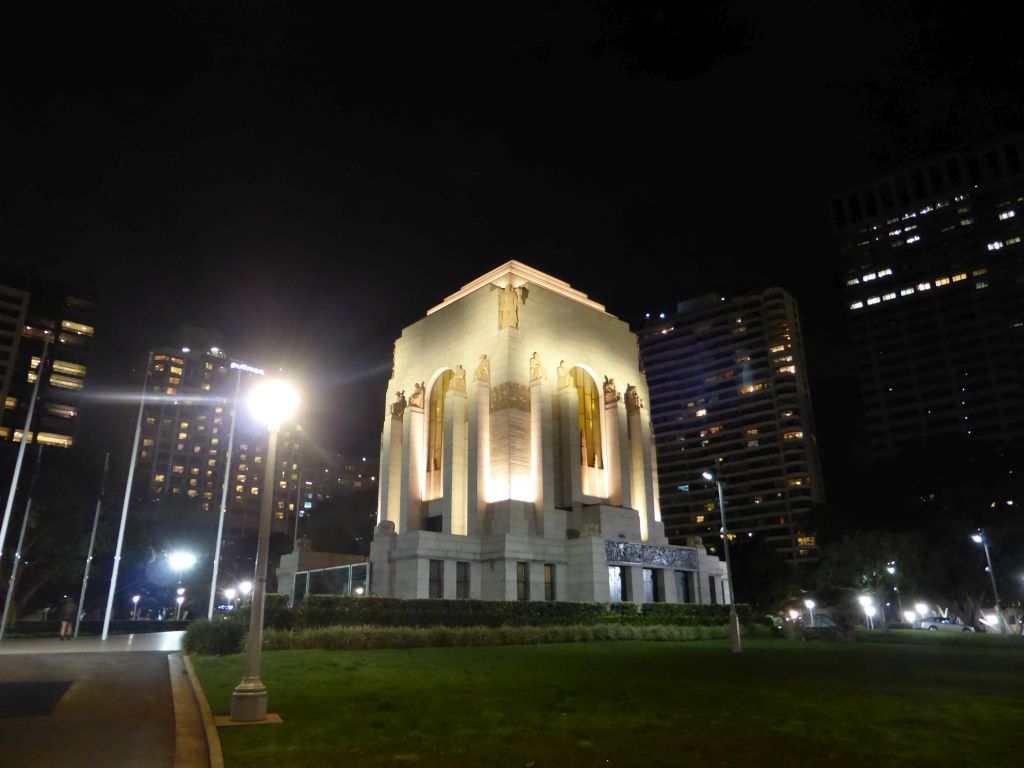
{"x":359,"y":638}
{"x":216,"y":638}
{"x":337,"y":610}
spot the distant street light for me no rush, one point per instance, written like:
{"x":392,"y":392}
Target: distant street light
{"x":181,"y":561}
{"x":179,"y":599}
{"x":922,"y":609}
{"x":980,"y":538}
{"x":135,"y":606}
{"x":810,"y":609}
{"x":869,"y":610}
{"x":244,"y":588}
{"x":270,"y":402}
{"x":734,"y":623}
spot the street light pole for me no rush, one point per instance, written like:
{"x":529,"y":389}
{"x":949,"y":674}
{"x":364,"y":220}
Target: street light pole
{"x":735,"y":643}
{"x":21,"y":540}
{"x":982,"y":539}
{"x":272,"y":402}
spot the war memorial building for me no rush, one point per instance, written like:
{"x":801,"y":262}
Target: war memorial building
{"x":517,"y":460}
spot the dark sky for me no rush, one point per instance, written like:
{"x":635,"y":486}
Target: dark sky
{"x":309,"y":179}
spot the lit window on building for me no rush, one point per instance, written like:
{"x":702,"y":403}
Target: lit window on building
{"x":178,"y":469}
{"x":747,"y":389}
{"x":1013,"y":241}
{"x":52,"y":438}
{"x":906,"y":291}
{"x":254,"y":491}
{"x":1007,"y":215}
{"x":874,"y":300}
{"x":787,"y":369}
{"x":958,"y":278}
{"x":148,"y":442}
{"x":942,"y":281}
{"x":924,"y":286}
{"x":701,"y":412}
{"x":78,"y":328}
{"x":159,"y":478}
{"x":853,"y":281}
{"x":995,"y":245}
{"x":857,"y":305}
{"x":884,"y":272}
{"x":888,"y":297}
{"x":793,"y":435}
{"x":72,"y":369}
{"x":979,"y":272}
{"x":869,"y":277}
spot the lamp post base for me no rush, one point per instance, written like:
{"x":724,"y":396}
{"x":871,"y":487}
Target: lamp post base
{"x":249,"y":702}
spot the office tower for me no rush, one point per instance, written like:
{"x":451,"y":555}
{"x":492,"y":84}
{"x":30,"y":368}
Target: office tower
{"x":38,"y":313}
{"x":729,"y":393}
{"x":933,"y":267}
{"x":186,"y":429}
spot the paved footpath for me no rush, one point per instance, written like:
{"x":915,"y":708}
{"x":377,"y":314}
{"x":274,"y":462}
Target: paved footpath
{"x":88,"y":702}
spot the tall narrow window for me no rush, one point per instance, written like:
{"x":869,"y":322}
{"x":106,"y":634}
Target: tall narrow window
{"x":682,"y":587}
{"x":436,"y":578}
{"x":522,"y":581}
{"x":549,"y":581}
{"x":713,"y":592}
{"x":435,"y":435}
{"x":590,"y":418}
{"x":462,"y":581}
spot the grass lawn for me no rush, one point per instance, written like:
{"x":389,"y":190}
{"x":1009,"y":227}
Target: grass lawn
{"x":634,"y":704}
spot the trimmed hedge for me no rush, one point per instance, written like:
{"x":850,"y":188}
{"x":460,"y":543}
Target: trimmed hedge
{"x":366,"y":638}
{"x":366,"y":613}
{"x":218,"y":637}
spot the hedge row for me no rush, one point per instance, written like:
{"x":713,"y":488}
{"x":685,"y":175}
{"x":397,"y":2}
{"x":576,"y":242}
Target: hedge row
{"x":336,"y":610}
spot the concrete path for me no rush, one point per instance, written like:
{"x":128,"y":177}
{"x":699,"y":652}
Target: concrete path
{"x":93,"y":704}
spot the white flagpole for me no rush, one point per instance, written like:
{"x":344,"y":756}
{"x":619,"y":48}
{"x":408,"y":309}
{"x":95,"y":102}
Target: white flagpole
{"x":127,"y":499}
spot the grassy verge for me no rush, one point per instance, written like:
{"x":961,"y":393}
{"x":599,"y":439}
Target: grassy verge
{"x":625,"y":704}
{"x":933,"y":639}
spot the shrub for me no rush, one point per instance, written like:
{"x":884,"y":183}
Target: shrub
{"x":343,"y":638}
{"x":216,"y":638}
{"x":337,"y":610}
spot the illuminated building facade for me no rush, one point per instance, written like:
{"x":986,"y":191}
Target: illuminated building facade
{"x":186,"y":427}
{"x":36,"y":313}
{"x":729,"y":390}
{"x":516,"y":458}
{"x":932,"y":263}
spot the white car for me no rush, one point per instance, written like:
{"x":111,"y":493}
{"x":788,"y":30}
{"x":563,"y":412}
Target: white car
{"x":943,"y":623}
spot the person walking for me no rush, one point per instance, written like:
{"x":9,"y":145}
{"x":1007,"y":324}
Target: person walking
{"x":68,"y":613}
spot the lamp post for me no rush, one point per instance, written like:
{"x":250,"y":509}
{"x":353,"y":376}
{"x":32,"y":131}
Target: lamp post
{"x":230,"y":595}
{"x":980,"y":538}
{"x":891,"y":570}
{"x":135,"y":607}
{"x":810,"y":609}
{"x":179,"y":562}
{"x":734,"y":623}
{"x":270,"y":402}
{"x":244,"y":590}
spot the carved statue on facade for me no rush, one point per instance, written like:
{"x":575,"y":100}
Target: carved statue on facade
{"x":537,"y":371}
{"x":508,"y":307}
{"x":633,"y":401}
{"x":398,"y":407}
{"x":483,"y":369}
{"x":416,"y":401}
{"x":459,"y":379}
{"x":610,"y":393}
{"x":564,"y":379}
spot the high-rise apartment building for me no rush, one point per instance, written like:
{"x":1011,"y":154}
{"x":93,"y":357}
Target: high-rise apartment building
{"x":186,"y":429}
{"x":932,"y":265}
{"x":38,"y":314}
{"x":729,"y":393}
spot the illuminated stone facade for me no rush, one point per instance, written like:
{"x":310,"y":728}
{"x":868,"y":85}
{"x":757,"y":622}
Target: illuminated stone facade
{"x":517,"y":456}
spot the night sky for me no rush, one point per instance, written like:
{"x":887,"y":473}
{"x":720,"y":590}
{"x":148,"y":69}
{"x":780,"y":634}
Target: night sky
{"x":309,"y":179}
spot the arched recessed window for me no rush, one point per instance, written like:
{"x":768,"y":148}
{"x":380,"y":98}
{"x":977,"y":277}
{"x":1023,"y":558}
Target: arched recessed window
{"x":590,"y":418}
{"x":435,"y":434}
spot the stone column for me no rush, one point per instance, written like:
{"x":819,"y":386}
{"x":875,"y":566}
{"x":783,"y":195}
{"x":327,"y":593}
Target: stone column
{"x":542,"y":458}
{"x":570,"y":486}
{"x":478,"y":455}
{"x":410,"y":516}
{"x":454,"y":479}
{"x":510,"y":441}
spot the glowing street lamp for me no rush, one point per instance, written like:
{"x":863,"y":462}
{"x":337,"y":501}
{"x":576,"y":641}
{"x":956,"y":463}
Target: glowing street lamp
{"x":810,"y":609}
{"x":181,"y":561}
{"x":869,"y":610}
{"x":135,"y":606}
{"x":980,"y":538}
{"x":271,"y":402}
{"x":734,"y":622}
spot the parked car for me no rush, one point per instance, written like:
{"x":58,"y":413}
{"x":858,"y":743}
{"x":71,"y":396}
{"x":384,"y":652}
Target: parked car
{"x":943,"y":623}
